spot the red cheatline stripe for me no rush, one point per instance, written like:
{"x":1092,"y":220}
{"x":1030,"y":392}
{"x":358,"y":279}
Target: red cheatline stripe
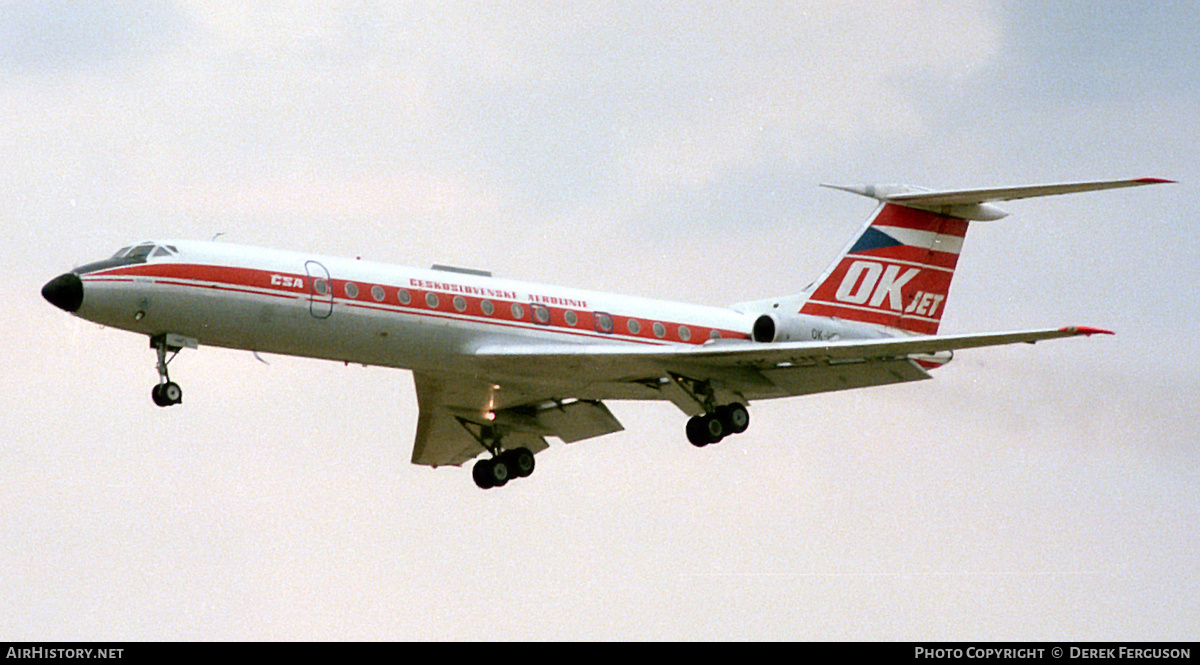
{"x":258,"y":282}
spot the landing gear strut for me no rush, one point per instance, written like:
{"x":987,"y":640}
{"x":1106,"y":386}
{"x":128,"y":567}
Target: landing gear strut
{"x":167,"y":392}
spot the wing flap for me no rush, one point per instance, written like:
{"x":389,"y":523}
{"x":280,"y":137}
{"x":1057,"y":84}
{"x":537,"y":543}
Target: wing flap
{"x":579,"y":420}
{"x":456,"y":411}
{"x":807,"y":380}
{"x":441,"y":440}
{"x":449,"y":405}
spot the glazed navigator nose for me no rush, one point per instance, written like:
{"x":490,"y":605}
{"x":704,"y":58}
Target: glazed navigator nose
{"x":64,"y":292}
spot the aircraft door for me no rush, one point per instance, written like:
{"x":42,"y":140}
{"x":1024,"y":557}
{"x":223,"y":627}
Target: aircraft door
{"x":320,"y":290}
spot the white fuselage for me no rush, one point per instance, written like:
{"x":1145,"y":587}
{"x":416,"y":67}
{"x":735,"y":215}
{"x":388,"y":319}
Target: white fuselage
{"x":372,"y":313}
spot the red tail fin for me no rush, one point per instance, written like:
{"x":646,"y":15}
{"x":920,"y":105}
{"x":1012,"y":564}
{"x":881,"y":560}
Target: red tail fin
{"x":897,"y":272}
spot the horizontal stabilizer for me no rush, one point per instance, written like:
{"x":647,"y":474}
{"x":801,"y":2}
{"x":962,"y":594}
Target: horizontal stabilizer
{"x":971,"y":204}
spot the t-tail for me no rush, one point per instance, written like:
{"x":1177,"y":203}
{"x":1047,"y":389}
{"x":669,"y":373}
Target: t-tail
{"x":897,"y":271}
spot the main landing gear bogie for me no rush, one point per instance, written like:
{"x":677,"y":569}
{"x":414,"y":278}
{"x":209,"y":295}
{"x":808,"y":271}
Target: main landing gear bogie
{"x":497,"y":471}
{"x":717,"y":424}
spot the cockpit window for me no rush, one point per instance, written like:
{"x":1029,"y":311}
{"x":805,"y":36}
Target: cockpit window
{"x":124,"y":257}
{"x":160,"y":251}
{"x":140,"y":251}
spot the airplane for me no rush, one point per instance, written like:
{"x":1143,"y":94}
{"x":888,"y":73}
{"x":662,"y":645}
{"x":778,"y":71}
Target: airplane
{"x":499,"y":364}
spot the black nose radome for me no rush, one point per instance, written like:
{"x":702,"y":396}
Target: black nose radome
{"x":64,"y":292}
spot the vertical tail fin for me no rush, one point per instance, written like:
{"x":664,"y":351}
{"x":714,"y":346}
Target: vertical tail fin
{"x":897,"y":271}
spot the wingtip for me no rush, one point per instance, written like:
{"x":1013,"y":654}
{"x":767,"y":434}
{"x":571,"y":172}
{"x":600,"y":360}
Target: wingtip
{"x":1154,"y":181}
{"x":1086,"y":331}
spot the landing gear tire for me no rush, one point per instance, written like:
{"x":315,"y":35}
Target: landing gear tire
{"x":714,"y":427}
{"x":481,"y":473}
{"x":695,"y":432}
{"x":705,"y":429}
{"x":735,"y":417}
{"x":498,"y":471}
{"x":491,"y":473}
{"x":520,"y":462}
{"x":166,"y":394}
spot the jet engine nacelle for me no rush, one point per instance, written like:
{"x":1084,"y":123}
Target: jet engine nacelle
{"x":780,"y":327}
{"x":777,"y":328}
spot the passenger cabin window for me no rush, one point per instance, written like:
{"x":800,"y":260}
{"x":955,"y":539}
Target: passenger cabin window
{"x":604,"y":322}
{"x":540,"y":314}
{"x":377,"y":293}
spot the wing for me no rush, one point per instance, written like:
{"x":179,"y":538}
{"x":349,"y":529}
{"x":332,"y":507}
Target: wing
{"x":741,"y":370}
{"x":531,"y":392}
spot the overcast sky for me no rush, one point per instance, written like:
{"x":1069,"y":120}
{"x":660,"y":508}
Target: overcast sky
{"x":673,"y":151}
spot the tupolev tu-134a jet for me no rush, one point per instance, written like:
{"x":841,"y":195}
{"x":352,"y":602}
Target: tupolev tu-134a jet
{"x":500,"y":365}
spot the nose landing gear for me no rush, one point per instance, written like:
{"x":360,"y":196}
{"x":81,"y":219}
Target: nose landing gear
{"x":167,"y":392}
